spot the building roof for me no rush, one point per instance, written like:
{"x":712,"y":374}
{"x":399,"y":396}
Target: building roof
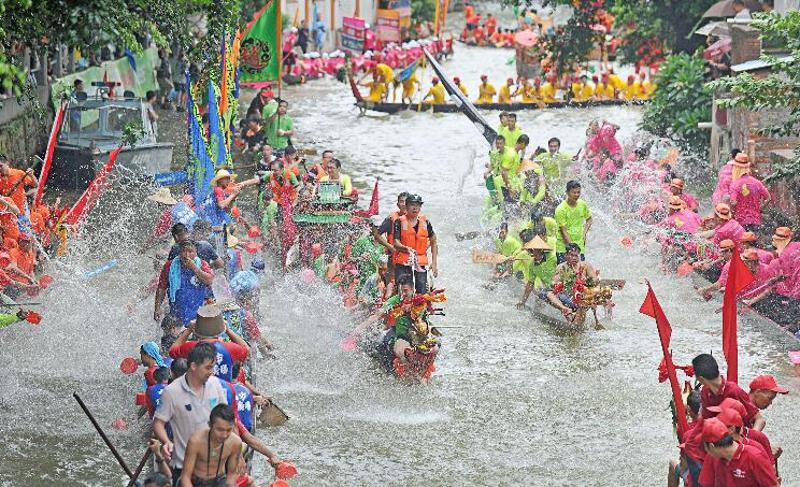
{"x":758,"y":64}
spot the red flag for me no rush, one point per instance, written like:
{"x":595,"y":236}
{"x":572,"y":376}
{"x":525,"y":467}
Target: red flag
{"x":373,"y":204}
{"x":48,"y":157}
{"x":289,"y":227}
{"x":651,"y":307}
{"x":89,"y":197}
{"x":739,"y":277}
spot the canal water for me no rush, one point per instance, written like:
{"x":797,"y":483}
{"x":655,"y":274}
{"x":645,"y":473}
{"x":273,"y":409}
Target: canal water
{"x":514,"y":401}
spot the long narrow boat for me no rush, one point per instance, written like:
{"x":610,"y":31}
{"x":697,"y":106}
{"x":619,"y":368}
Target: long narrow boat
{"x":365,"y":105}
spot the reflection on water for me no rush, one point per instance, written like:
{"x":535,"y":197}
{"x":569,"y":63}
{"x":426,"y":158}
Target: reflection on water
{"x":514,"y":402}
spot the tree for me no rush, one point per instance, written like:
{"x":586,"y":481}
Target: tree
{"x":681,"y":101}
{"x":655,"y":25}
{"x":781,"y":89}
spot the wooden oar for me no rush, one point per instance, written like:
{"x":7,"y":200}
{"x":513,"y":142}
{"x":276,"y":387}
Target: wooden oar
{"x":486,"y":257}
{"x":140,"y":467}
{"x":615,"y":284}
{"x":103,"y":435}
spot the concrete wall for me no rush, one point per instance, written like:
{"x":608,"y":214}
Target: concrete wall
{"x":23,"y":131}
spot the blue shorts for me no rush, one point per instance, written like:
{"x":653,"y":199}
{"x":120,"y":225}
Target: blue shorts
{"x":566,"y":300}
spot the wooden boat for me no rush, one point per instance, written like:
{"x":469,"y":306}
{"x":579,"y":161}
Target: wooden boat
{"x":364,"y":105}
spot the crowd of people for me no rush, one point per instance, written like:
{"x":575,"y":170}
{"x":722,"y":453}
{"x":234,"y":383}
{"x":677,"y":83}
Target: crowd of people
{"x":578,"y":88}
{"x":542,"y":241}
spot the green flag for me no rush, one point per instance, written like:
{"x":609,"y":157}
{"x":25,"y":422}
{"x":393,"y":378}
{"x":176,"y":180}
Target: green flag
{"x":260,"y":52}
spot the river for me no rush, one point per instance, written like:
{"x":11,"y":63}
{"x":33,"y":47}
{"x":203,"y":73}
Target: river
{"x":514,"y":401}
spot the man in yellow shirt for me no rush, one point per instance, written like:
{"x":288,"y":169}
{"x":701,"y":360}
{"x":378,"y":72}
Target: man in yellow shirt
{"x":437,"y":91}
{"x":526,"y":90}
{"x":410,"y":87}
{"x":461,"y":86}
{"x":547,"y":92}
{"x":377,"y":89}
{"x":581,"y":89}
{"x":616,"y":81}
{"x":505,"y":92}
{"x":631,"y":89}
{"x":486,"y":91}
{"x":643,"y":87}
{"x":603,"y":89}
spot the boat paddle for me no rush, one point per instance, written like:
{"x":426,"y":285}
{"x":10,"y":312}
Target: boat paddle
{"x":103,"y":436}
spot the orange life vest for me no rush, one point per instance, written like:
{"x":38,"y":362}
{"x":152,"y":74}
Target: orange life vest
{"x":418,"y":240}
{"x":393,"y":217}
{"x":278,"y":188}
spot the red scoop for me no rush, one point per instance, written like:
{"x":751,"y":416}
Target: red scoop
{"x":285,"y":470}
{"x":254,"y":231}
{"x":128,"y":366}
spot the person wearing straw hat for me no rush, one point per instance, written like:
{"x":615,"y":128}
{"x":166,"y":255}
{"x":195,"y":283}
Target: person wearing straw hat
{"x":224,"y":196}
{"x":726,"y":250}
{"x":750,"y":241}
{"x":748,"y":195}
{"x":164,"y":198}
{"x":724,"y":226}
{"x":681,"y":218}
{"x":539,"y":272}
{"x":782,"y":302}
{"x":676,"y":189}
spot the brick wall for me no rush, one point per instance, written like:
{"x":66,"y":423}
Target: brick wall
{"x":745,"y":43}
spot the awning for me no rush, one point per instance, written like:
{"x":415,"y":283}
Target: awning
{"x":718,"y":29}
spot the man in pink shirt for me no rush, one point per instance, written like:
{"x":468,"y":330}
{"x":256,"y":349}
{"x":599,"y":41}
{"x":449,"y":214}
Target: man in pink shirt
{"x":749,"y":241}
{"x":680,"y":218}
{"x":747,"y":195}
{"x":676,"y":188}
{"x":782,"y":303}
{"x":721,"y":193}
{"x":725,"y":227}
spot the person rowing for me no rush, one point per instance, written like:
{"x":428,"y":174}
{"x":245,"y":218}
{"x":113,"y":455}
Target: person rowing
{"x":212,"y":454}
{"x":413,"y":236}
{"x":437,"y":92}
{"x":568,"y":278}
{"x":538,"y":273}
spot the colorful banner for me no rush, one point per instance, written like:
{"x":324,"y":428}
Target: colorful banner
{"x":388,"y":26}
{"x":354,"y":31}
{"x":440,"y":19}
{"x":139,"y":80}
{"x":260,"y":51}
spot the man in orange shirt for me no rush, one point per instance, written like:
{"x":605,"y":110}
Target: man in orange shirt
{"x":8,"y":221}
{"x":24,"y":256}
{"x":14,"y":182}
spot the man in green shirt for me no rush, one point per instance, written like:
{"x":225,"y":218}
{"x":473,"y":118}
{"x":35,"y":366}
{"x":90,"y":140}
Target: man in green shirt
{"x":507,"y":245}
{"x":574,"y":221}
{"x":270,"y":107}
{"x":539,"y":272}
{"x":554,"y":162}
{"x":503,"y":163}
{"x":544,"y":226}
{"x":509,"y":129}
{"x":280,"y":127}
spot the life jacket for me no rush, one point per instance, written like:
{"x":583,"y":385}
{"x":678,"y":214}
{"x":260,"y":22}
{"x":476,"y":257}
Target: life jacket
{"x":223,"y":366}
{"x":418,"y":240}
{"x":393,"y":217}
{"x":189,"y":297}
{"x":279,"y":188}
{"x":244,"y":404}
{"x":153,"y":397}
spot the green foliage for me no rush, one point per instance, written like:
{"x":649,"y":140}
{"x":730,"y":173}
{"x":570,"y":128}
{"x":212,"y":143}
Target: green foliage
{"x":572,"y":42}
{"x":423,"y":10}
{"x":643,"y":25}
{"x":681,"y":101}
{"x":781,"y":89}
{"x":132,"y":132}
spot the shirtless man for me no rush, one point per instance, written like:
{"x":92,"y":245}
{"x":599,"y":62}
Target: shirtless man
{"x":212,"y":454}
{"x":565,"y":278}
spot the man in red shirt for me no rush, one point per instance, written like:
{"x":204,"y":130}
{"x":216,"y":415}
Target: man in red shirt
{"x":716,"y":389}
{"x":730,"y":413}
{"x":764,"y":389}
{"x":733,"y":464}
{"x":207,"y":327}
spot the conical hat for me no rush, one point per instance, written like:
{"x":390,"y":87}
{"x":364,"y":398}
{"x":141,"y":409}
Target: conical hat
{"x":537,"y":244}
{"x":164,"y":196}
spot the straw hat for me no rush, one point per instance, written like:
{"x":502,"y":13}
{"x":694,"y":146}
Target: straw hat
{"x":677,"y":183}
{"x":722,"y":211}
{"x":741,"y":160}
{"x":727,"y":244}
{"x":750,"y":254}
{"x":164,"y":196}
{"x":222,"y":173}
{"x":232,"y":241}
{"x":675,"y":203}
{"x":537,"y":244}
{"x":748,"y":237}
{"x":782,"y":233}
{"x":209,"y":322}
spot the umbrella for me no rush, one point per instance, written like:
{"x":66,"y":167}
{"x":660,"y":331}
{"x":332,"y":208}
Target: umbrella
{"x":718,"y":48}
{"x":714,"y":29}
{"x":525,"y":38}
{"x":724,"y":8}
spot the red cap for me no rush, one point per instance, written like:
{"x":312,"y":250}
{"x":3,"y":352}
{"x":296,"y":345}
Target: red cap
{"x":631,"y":77}
{"x":714,"y":430}
{"x":484,"y":77}
{"x":731,"y":417}
{"x":434,"y":80}
{"x":457,"y":80}
{"x":766,"y":383}
{"x":729,"y":403}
